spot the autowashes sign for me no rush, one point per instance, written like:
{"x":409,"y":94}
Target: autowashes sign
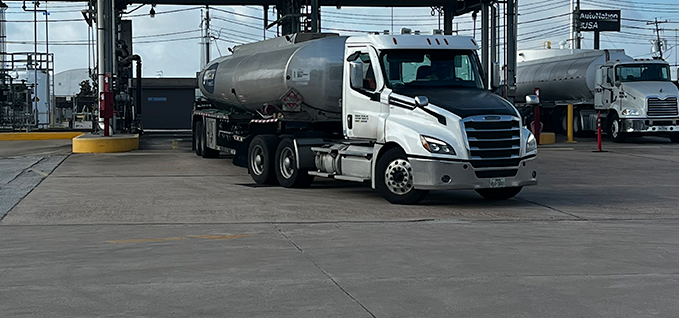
{"x":599,"y":20}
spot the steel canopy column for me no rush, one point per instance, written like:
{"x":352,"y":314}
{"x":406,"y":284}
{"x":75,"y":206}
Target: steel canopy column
{"x":105,"y":41}
{"x":315,"y":17}
{"x":493,"y":35}
{"x":511,"y":44}
{"x":485,"y":44}
{"x":448,"y":14}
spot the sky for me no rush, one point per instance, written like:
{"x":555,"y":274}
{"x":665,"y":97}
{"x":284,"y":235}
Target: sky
{"x":170,"y":42}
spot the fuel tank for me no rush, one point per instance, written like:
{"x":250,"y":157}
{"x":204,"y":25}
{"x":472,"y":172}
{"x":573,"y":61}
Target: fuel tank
{"x":562,"y":75}
{"x":297,"y":73}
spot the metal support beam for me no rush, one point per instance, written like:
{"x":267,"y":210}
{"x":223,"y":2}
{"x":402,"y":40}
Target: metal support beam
{"x":493,"y":35}
{"x":105,"y":48}
{"x":448,"y":14}
{"x":511,"y":44}
{"x":485,"y":44}
{"x":315,"y":17}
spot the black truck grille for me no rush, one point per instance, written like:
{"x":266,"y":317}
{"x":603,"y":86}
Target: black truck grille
{"x":495,"y":142}
{"x":658,"y":107}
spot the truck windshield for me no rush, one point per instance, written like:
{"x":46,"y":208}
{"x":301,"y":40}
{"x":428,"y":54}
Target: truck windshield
{"x":431,"y":68}
{"x":642,"y":72}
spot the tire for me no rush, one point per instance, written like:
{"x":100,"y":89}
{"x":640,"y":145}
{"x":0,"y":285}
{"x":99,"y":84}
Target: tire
{"x":674,"y":137}
{"x":394,"y":178}
{"x":198,"y":138}
{"x":499,"y":193}
{"x":614,"y":127}
{"x":287,"y":173}
{"x":577,"y":130}
{"x":205,"y":151}
{"x":261,"y":156}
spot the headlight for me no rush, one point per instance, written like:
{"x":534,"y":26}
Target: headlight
{"x":531,"y":143}
{"x":630,"y":112}
{"x":436,"y":146}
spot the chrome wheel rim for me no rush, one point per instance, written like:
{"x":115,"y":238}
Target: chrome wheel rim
{"x":287,"y":163}
{"x":257,"y":160}
{"x":615,"y":128}
{"x":398,"y":177}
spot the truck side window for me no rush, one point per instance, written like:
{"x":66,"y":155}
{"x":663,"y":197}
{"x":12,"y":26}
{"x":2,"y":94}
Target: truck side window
{"x":369,"y":82}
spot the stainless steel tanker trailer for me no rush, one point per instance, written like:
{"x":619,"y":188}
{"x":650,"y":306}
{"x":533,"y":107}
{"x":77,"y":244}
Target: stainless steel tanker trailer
{"x":634,"y":96}
{"x":406,"y":113}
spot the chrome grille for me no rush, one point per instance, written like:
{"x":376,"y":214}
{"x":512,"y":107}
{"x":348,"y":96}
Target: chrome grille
{"x":658,"y":107}
{"x":493,"y":143}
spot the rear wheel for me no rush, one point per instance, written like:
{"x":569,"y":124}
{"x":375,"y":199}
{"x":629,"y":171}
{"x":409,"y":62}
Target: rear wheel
{"x":674,"y":137}
{"x":499,"y":193}
{"x":198,"y":137}
{"x":615,"y":128}
{"x":206,"y":152}
{"x":394,"y":178}
{"x":577,"y":131}
{"x":261,"y":156}
{"x":287,"y":173}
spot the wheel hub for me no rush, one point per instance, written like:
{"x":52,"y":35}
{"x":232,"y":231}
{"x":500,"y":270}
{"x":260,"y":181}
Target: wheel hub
{"x":287,"y":166}
{"x":398,"y":176}
{"x":257,"y":161}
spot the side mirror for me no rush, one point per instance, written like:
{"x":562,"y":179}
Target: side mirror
{"x":532,"y":100}
{"x":617,"y":84}
{"x":599,"y":79}
{"x":356,"y":74}
{"x":421,"y":101}
{"x":495,"y":76}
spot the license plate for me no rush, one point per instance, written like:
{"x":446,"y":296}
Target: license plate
{"x":497,"y":183}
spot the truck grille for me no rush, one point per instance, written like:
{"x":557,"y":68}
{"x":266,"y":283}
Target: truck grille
{"x":658,"y":107}
{"x":495,"y":142}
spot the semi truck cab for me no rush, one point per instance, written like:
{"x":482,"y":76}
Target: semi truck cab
{"x":422,"y":101}
{"x":639,"y":97}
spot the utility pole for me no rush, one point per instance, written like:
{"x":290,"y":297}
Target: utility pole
{"x":575,"y":27}
{"x":207,"y":34}
{"x":658,"y":42}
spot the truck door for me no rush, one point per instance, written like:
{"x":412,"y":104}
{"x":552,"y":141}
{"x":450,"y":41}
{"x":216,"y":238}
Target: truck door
{"x":603,"y":92}
{"x":361,"y":107}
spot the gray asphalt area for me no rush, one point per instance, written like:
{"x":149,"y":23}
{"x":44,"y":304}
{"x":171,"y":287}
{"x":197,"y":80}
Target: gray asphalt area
{"x":160,"y":232}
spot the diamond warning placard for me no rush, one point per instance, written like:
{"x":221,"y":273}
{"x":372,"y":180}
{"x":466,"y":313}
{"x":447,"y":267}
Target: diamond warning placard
{"x":292,"y":101}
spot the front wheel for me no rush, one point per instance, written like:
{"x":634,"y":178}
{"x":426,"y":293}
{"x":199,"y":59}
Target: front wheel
{"x":615,"y":129}
{"x":287,"y":173}
{"x":499,"y":193}
{"x":394,"y":178}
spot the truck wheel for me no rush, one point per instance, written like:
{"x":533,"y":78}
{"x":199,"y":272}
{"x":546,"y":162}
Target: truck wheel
{"x":198,"y":138}
{"x":577,"y":132}
{"x":286,"y":167}
{"x":615,"y":129}
{"x":674,"y":137}
{"x":206,"y":152}
{"x":394,"y":178}
{"x":261,"y":155}
{"x":499,"y":193}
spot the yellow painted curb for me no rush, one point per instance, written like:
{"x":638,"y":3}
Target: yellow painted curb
{"x":39,"y":135}
{"x":547,"y":138}
{"x":100,"y":144}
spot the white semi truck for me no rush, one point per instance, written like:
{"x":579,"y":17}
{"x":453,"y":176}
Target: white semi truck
{"x":635,"y":96}
{"x":407,"y":113}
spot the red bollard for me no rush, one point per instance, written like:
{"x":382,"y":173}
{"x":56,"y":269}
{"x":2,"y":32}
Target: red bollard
{"x":598,"y":132}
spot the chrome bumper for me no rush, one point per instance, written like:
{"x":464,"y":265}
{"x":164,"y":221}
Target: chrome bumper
{"x":650,"y":125}
{"x":432,"y":174}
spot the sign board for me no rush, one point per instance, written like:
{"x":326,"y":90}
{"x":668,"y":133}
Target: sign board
{"x":292,"y":100}
{"x":599,"y":20}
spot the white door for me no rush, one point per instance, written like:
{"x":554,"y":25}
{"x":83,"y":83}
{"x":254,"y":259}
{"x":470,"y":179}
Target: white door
{"x":361,"y":107}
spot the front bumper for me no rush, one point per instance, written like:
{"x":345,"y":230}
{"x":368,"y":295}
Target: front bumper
{"x":433,"y":174}
{"x":650,"y":125}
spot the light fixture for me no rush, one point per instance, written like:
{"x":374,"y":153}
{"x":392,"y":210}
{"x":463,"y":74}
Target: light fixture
{"x":152,"y":13}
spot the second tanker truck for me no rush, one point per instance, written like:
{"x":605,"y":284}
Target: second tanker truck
{"x":406,"y":113}
{"x":635,"y":96}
